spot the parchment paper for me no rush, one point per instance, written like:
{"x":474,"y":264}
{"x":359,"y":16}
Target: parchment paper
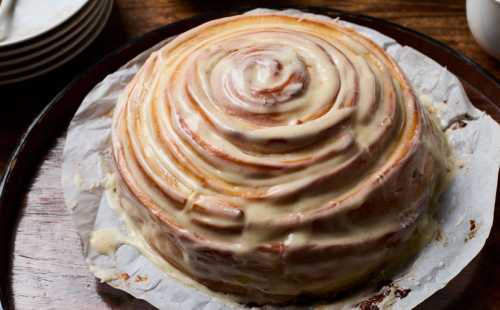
{"x":470,"y":197}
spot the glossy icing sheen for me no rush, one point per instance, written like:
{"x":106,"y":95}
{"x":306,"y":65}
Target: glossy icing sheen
{"x":270,"y":156}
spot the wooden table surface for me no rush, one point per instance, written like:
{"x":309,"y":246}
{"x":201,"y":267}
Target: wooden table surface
{"x":444,"y":20}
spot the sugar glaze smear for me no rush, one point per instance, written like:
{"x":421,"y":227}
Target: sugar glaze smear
{"x":106,"y":241}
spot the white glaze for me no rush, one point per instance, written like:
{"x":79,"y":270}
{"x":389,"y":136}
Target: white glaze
{"x":78,"y":180}
{"x":72,"y":204}
{"x":223,"y":128}
{"x":106,"y":241}
{"x":104,"y":275}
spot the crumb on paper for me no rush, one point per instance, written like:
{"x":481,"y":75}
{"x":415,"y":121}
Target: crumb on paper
{"x":429,"y":278}
{"x":441,"y":264}
{"x":459,"y":125}
{"x":384,"y":299}
{"x":78,"y":180}
{"x":439,"y":236}
{"x":417,"y":284}
{"x":125,"y":276}
{"x":472,"y":225}
{"x":140,"y":279}
{"x":442,"y":239}
{"x":72,"y":204}
{"x":474,"y":228}
{"x":110,"y":182}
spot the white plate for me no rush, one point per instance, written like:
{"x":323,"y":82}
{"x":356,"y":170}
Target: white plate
{"x":50,"y":35}
{"x":35,"y":17}
{"x":63,"y":58}
{"x":78,"y":33}
{"x":46,"y":58}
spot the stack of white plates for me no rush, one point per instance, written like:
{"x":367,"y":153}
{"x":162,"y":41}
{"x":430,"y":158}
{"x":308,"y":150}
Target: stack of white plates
{"x":45,"y":34}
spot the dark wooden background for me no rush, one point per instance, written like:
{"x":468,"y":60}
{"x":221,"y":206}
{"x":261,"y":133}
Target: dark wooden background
{"x":39,"y":284}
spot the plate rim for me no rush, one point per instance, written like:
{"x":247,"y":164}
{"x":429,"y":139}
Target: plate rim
{"x":41,"y":32}
{"x":22,"y":145}
{"x":47,"y":44}
{"x":78,"y":47}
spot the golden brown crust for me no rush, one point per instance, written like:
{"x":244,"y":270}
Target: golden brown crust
{"x":272,"y":156}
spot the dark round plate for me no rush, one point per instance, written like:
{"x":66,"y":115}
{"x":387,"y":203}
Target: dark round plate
{"x":41,"y":259}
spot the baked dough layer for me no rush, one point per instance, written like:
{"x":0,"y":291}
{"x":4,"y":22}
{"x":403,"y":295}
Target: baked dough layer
{"x":271,"y":156}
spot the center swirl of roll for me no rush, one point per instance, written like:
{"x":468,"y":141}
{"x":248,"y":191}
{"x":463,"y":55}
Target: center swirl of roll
{"x":258,"y":77}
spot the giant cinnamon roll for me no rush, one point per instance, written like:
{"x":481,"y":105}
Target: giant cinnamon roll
{"x":271,"y":156}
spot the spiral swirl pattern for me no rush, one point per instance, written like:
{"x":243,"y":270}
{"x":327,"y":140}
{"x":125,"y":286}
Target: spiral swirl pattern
{"x":269,"y":156}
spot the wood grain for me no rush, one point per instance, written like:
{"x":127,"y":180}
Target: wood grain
{"x":48,"y":267}
{"x":48,"y":271}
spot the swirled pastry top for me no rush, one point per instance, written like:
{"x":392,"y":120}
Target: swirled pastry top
{"x":270,"y":137}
